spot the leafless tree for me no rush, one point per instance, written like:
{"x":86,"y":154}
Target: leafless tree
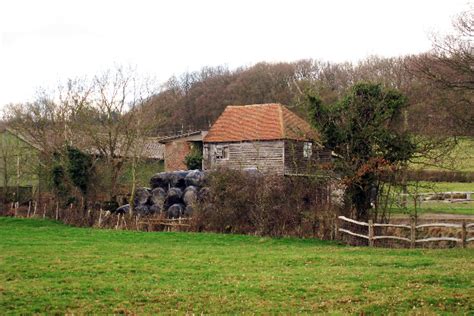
{"x":102,"y":116}
{"x":449,"y":67}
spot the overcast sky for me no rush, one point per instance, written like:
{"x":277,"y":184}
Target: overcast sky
{"x":44,"y":42}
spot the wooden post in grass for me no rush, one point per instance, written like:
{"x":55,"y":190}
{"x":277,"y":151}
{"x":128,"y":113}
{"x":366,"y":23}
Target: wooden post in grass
{"x":371,"y":233}
{"x":29,"y":209}
{"x":44,"y":211}
{"x":118,"y":221}
{"x":35,"y":208}
{"x":57,"y":210}
{"x":412,"y":232}
{"x":100,"y":217}
{"x":336,"y":229}
{"x":15,"y":209}
{"x":463,"y":234}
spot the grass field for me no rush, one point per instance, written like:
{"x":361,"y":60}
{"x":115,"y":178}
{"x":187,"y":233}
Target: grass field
{"x":433,"y":187}
{"x":461,"y":158}
{"x":46,"y":267}
{"x":459,"y":208}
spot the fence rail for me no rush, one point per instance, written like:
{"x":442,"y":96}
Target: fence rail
{"x":371,"y":237}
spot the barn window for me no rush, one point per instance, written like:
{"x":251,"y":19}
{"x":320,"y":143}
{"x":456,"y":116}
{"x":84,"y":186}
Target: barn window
{"x":222,"y":152}
{"x":307,"y":149}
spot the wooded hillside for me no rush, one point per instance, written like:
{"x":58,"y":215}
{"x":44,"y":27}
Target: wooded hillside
{"x":194,"y":100}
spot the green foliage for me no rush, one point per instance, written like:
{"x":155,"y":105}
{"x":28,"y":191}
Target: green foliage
{"x":72,"y":169}
{"x":193,"y":160}
{"x":364,"y":130}
{"x":112,"y":272}
{"x":79,"y":168}
{"x":58,"y":177}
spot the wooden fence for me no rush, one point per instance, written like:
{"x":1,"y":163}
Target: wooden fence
{"x":77,"y":215}
{"x":412,"y":227}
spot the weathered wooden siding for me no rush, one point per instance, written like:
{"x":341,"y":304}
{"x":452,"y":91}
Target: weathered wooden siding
{"x":266,"y":156}
{"x":297,"y":163}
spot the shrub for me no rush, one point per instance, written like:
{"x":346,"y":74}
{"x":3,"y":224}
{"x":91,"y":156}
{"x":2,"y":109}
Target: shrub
{"x":193,"y":160}
{"x":246,"y":203}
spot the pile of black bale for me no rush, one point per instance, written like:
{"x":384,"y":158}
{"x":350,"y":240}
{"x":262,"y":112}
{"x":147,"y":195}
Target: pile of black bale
{"x":173,"y":194}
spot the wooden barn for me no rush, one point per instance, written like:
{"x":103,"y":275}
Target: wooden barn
{"x":266,"y":137}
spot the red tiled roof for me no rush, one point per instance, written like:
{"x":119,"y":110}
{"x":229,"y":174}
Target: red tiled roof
{"x":259,"y":122}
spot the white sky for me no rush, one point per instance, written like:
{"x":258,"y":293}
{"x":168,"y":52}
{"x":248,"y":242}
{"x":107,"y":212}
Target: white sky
{"x":44,"y":42}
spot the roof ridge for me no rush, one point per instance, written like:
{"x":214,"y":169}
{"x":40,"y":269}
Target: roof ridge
{"x":253,"y":105}
{"x":282,"y":121}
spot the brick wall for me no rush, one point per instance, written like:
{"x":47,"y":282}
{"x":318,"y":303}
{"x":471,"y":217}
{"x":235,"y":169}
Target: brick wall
{"x":174,"y":155}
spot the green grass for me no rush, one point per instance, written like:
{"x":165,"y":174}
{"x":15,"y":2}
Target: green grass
{"x":459,"y":208}
{"x":46,"y":267}
{"x":461,"y":158}
{"x":434,"y":187}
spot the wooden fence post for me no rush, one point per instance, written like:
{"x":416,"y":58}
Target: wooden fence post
{"x":100,"y":217}
{"x":124,"y":222}
{"x":118,"y":221}
{"x":336,"y":229}
{"x":371,"y":233}
{"x":29,"y":209}
{"x":412,"y":233}
{"x":57,"y":210}
{"x":35,"y":208}
{"x":463,"y":234}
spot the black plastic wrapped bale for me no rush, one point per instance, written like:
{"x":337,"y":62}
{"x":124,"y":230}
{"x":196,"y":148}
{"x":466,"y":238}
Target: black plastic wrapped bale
{"x":142,"y":209}
{"x":195,"y":178}
{"x":188,"y":211}
{"x":155,"y":209}
{"x":160,"y":180}
{"x":176,"y":210}
{"x":190,"y":195}
{"x":174,"y":196}
{"x":123,"y":209}
{"x":177,"y":179}
{"x":158,"y":196}
{"x":141,"y":196}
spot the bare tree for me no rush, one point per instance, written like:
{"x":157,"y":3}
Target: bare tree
{"x":109,"y":124}
{"x":449,"y":67}
{"x":102,"y":117}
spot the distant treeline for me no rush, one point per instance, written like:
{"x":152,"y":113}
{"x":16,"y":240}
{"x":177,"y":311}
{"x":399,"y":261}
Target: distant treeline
{"x":195,"y":99}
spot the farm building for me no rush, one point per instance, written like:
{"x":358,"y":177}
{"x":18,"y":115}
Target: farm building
{"x":177,"y":147}
{"x":19,"y":166}
{"x":266,"y":137}
{"x":21,"y":174}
